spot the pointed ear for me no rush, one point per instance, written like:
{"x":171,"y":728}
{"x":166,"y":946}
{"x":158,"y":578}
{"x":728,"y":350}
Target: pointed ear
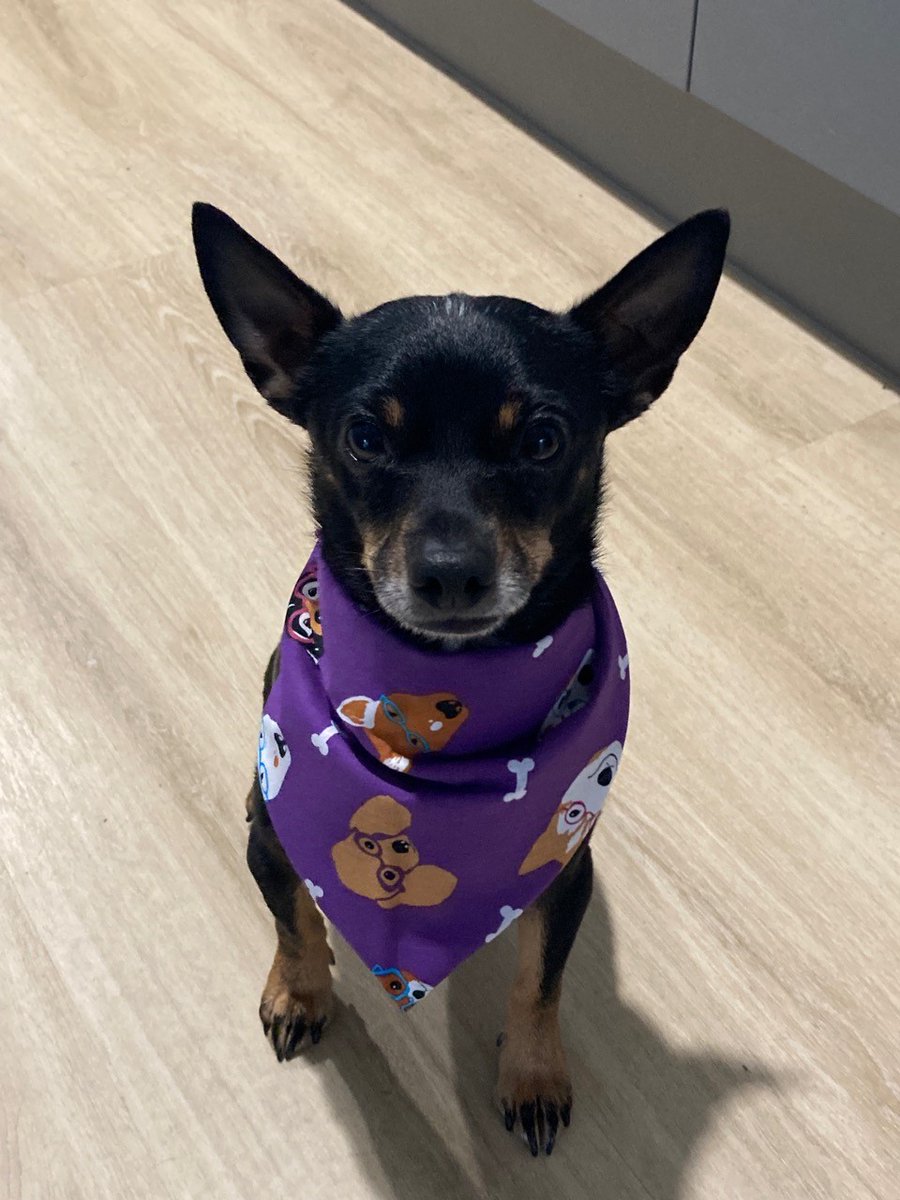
{"x":272,"y":318}
{"x":647,"y":316}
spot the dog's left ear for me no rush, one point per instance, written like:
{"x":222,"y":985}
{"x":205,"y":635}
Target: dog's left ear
{"x":273,"y":319}
{"x":647,"y":315}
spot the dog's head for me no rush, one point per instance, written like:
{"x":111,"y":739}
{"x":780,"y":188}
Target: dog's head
{"x":457,"y":441}
{"x":273,"y":758}
{"x":379,"y":862}
{"x":401,"y":986}
{"x":303,"y":622}
{"x":408,"y":724}
{"x":586,"y":794}
{"x":417,"y":724}
{"x":578,"y":810}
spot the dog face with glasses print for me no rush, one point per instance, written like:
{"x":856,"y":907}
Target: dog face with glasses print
{"x":402,"y":726}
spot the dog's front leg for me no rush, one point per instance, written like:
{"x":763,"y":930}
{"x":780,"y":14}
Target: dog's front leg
{"x":297,"y":998}
{"x":533,"y":1086}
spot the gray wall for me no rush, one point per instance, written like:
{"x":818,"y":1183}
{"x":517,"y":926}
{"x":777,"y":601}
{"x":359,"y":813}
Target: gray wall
{"x":658,"y":34}
{"x":832,"y":252}
{"x":820,"y":78}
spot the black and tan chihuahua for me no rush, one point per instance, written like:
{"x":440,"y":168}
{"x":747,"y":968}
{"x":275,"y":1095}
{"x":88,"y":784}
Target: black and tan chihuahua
{"x":456,"y":464}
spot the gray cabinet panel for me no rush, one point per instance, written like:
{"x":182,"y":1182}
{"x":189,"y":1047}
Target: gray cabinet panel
{"x":820,"y":77}
{"x":654,"y":33}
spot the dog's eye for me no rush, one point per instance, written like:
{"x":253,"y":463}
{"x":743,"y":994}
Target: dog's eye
{"x":606,"y":770}
{"x":541,"y":441}
{"x":364,"y":441}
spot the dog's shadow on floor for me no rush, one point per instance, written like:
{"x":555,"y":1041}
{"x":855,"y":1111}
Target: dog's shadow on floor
{"x":641,"y":1106}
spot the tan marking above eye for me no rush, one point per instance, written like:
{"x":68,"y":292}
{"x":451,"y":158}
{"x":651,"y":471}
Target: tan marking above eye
{"x":393,"y":412}
{"x":508,"y":414}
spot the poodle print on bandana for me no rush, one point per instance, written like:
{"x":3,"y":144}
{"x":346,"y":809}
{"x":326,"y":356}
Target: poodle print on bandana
{"x":378,"y":861}
{"x":426,"y":792}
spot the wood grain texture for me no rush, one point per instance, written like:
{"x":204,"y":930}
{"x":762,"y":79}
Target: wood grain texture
{"x":730,"y":1009}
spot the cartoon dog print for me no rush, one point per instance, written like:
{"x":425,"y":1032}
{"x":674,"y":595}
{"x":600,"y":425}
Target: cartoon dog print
{"x":401,"y":726}
{"x":378,"y":862}
{"x":401,"y":986}
{"x":575,"y":695}
{"x":577,"y":811}
{"x":273,"y":758}
{"x":303,"y":622}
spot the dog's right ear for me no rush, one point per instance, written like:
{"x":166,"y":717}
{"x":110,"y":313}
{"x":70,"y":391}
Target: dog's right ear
{"x":273,"y":319}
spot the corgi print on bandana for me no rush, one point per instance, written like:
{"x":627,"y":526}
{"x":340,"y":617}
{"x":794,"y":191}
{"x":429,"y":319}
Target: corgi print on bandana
{"x":428,"y":796}
{"x":378,"y":861}
{"x":401,"y":726}
{"x":401,"y":986}
{"x":273,"y":759}
{"x":578,"y":810}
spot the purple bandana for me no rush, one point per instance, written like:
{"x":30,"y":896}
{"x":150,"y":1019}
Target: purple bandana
{"x":426,"y":798}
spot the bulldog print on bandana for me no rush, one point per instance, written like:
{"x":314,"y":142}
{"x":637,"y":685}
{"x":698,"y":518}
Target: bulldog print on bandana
{"x":426,"y":798}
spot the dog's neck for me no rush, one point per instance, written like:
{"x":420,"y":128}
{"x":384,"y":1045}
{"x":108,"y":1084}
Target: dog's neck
{"x":565,"y":583}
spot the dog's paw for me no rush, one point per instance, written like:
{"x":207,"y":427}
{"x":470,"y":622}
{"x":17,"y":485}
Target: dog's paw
{"x":534,"y":1091}
{"x":293,"y":1019}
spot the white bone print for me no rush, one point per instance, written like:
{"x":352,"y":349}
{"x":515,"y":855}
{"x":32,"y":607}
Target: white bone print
{"x":541,"y":646}
{"x":521,"y":768}
{"x":321,"y":740}
{"x":623,"y":664}
{"x":508,"y":914}
{"x":314,"y":890}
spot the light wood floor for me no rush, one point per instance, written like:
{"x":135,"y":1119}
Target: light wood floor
{"x":731,"y":1007}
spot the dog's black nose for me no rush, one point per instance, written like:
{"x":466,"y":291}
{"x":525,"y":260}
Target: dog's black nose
{"x":452,"y":574}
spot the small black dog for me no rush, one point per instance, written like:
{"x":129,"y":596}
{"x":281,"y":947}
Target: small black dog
{"x":456,"y":464}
